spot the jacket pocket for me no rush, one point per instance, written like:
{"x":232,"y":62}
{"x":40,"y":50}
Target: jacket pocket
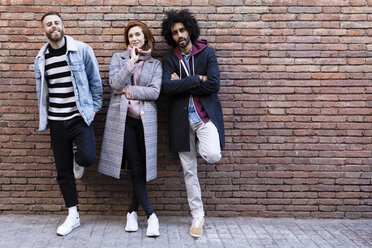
{"x":78,"y":67}
{"x":79,"y":75}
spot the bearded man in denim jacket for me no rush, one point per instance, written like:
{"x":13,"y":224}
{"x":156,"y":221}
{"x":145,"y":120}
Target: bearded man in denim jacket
{"x":69,"y":91}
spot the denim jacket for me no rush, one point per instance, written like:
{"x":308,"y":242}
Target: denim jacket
{"x":85,"y":76}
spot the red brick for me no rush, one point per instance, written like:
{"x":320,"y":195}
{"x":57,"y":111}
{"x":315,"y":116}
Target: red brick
{"x":295,"y":91}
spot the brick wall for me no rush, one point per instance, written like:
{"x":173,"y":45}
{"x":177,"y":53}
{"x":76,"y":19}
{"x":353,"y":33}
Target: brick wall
{"x":296,"y":94}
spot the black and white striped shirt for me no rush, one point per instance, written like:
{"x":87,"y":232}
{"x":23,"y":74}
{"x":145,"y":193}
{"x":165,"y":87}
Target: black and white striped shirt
{"x":62,"y":102}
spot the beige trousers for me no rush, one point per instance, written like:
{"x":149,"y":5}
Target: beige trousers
{"x":204,"y":138}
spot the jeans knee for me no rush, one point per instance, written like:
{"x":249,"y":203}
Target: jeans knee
{"x":86,"y":161}
{"x":213,"y":157}
{"x":91,"y":160}
{"x":189,"y":173}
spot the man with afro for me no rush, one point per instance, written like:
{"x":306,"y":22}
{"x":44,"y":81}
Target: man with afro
{"x":191,"y":78}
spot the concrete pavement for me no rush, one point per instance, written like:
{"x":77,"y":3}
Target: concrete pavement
{"x":39,"y":231}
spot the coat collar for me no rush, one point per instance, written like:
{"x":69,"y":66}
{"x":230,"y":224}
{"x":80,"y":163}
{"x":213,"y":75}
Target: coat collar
{"x":147,"y":67}
{"x":125,"y":55}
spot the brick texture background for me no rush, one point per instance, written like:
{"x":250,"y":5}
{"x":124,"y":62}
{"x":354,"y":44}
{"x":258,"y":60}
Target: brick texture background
{"x":296,"y":94}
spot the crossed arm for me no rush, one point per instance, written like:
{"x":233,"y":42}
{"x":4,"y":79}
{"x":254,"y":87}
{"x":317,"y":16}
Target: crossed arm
{"x":197,"y":85}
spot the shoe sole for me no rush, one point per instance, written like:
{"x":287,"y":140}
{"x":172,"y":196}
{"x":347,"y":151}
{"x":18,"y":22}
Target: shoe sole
{"x":74,"y":150}
{"x":79,"y":177}
{"x":196,"y":235}
{"x":152,"y":234}
{"x":73,"y":227}
{"x":131,"y":230}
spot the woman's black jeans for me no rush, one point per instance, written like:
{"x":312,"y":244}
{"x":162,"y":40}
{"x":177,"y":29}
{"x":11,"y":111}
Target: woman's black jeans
{"x":135,"y":154}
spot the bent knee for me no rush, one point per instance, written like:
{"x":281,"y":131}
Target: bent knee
{"x":213,"y":158}
{"x":87,"y":161}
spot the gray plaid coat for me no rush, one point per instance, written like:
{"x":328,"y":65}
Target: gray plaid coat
{"x":147,"y":92}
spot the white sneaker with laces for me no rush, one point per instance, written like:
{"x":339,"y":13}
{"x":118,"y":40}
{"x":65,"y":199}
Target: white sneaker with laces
{"x":78,"y":170}
{"x":152,"y":226}
{"x":70,"y":223}
{"x":132,"y":223}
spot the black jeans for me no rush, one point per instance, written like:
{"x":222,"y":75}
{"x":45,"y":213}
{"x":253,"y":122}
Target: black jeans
{"x":135,"y":154}
{"x":63,"y":134}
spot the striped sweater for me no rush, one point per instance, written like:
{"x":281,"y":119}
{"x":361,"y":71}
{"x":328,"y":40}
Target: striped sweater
{"x":62,"y":102}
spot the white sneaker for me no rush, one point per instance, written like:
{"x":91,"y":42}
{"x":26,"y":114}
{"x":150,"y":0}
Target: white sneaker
{"x":69,"y":225}
{"x":196,"y":229}
{"x":132,"y":224}
{"x":78,"y":170}
{"x":153,"y":226}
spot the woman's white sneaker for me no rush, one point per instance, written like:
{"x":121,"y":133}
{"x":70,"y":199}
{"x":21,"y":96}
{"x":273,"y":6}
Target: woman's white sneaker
{"x":132,"y":223}
{"x":70,"y":223}
{"x":152,"y":226}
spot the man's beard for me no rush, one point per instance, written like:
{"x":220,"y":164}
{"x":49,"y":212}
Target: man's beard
{"x":56,"y":38}
{"x":187,"y":41}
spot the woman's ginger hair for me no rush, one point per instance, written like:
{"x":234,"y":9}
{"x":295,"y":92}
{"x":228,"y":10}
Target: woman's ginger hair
{"x":149,"y":37}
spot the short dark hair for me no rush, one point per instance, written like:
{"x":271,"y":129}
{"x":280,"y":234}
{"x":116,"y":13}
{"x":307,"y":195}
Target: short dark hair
{"x":186,"y":18}
{"x":149,"y":37}
{"x":50,"y":13}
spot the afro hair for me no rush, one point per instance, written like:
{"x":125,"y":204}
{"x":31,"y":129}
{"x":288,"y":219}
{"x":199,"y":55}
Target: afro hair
{"x":183,"y":16}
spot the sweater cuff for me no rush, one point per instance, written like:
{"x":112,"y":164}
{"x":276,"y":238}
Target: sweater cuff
{"x":128,"y":92}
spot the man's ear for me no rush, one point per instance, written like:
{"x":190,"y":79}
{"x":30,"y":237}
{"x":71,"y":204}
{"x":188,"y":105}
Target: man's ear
{"x":43,"y":28}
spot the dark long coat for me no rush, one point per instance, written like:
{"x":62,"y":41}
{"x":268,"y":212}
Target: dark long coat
{"x":205,"y":63}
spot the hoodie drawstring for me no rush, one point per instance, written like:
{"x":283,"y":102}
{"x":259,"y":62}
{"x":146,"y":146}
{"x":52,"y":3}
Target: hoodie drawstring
{"x":179,"y":62}
{"x":193,"y":68}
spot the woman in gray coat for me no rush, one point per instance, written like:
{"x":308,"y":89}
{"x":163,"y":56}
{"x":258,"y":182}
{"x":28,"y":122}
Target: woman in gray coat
{"x":131,"y":125}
